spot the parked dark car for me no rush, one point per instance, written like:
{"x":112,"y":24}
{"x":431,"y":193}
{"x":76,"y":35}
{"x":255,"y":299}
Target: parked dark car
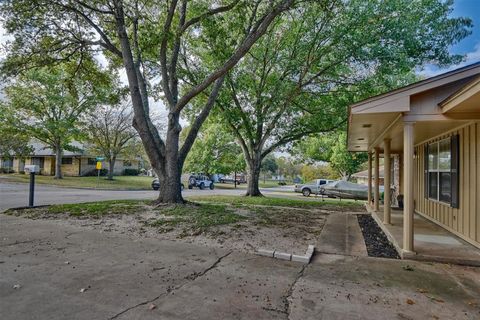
{"x":156,"y":185}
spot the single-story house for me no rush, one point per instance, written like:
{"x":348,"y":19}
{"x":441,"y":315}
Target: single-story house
{"x":433,"y":127}
{"x":74,"y":163}
{"x":361,"y":177}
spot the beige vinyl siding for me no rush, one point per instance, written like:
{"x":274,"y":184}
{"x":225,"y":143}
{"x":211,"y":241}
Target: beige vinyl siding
{"x":464,"y":221}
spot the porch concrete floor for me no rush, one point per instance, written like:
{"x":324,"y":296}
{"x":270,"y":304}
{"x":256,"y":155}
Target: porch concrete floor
{"x":431,"y":242}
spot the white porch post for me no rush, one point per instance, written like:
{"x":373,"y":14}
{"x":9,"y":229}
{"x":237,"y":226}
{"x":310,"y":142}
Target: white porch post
{"x":386,"y":181}
{"x":408,"y":206}
{"x":376,"y":195}
{"x":369,"y":178}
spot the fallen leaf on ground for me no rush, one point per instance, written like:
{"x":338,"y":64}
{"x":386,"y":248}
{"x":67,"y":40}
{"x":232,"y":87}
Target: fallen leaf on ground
{"x":408,"y":268}
{"x":16,"y":286}
{"x":83,"y":290}
{"x":152,"y":306}
{"x":410,"y":301}
{"x":437,"y":299}
{"x":422,"y":290}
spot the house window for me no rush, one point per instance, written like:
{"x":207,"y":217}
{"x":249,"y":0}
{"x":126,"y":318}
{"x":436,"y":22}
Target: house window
{"x":91,"y":161}
{"x":40,"y":162}
{"x":7,"y":163}
{"x":442,"y":171}
{"x":127,"y":163}
{"x":67,"y":160}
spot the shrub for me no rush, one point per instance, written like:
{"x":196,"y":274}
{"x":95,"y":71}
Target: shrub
{"x":131,"y":172}
{"x":94,"y":173}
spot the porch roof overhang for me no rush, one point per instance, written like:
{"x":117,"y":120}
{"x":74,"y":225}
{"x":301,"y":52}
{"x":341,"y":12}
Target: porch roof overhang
{"x":465,"y":100}
{"x":381,"y":117}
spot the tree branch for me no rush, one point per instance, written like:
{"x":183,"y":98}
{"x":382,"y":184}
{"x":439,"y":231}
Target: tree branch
{"x":210,"y":12}
{"x":299,"y":135}
{"x":259,"y":29}
{"x":197,"y":124}
{"x":163,"y":55}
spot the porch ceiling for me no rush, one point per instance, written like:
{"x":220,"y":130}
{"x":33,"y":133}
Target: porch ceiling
{"x":385,"y":126}
{"x":365,"y":128}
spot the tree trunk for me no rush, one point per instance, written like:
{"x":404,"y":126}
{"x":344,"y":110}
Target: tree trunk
{"x":253,"y":178}
{"x":58,"y":162}
{"x":170,"y":182}
{"x":111,"y":167}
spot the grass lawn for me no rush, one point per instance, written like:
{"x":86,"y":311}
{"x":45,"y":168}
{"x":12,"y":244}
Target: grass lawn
{"x":88,"y":209}
{"x":234,"y":222}
{"x":281,"y":202}
{"x":119,"y":182}
{"x":266,"y":184}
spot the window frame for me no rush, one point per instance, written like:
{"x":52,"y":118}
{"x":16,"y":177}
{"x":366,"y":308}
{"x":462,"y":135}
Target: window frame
{"x":438,"y":171}
{"x":39,"y":161}
{"x":68,"y":163}
{"x":453,"y":171}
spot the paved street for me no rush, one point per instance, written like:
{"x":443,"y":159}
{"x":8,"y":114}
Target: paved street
{"x":16,"y":194}
{"x":59,"y":271}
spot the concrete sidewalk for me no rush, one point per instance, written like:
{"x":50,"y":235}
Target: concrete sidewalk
{"x":142,"y":278}
{"x":342,"y":235}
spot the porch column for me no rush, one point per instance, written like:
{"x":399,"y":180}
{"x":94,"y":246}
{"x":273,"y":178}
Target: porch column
{"x":408,"y":172}
{"x":369,"y":178}
{"x":386,"y":181}
{"x":376,"y":195}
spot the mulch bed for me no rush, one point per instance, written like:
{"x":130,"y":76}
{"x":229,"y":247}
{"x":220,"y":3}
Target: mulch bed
{"x":376,"y":241}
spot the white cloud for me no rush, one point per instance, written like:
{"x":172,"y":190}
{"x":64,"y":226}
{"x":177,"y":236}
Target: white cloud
{"x":470,"y":57}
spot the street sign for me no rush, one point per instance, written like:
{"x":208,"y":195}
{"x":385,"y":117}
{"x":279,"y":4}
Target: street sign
{"x":99,"y":165}
{"x":100,"y":158}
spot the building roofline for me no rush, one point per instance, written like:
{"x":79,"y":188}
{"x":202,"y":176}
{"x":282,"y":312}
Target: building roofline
{"x":459,"y":92}
{"x":417,"y":84}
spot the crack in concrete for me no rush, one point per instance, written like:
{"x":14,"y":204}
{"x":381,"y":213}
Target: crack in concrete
{"x":68,"y":235}
{"x":191,"y":278}
{"x":19,"y":242}
{"x":287,"y":307}
{"x":275,"y":310}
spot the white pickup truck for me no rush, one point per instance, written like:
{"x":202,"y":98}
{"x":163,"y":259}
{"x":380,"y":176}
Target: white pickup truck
{"x":311,"y":187}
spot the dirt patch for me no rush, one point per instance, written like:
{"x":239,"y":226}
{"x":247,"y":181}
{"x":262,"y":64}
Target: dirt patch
{"x":376,"y":241}
{"x":244,"y":228}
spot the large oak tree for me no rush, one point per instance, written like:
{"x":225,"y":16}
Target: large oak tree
{"x":150,"y":39}
{"x":318,"y":59}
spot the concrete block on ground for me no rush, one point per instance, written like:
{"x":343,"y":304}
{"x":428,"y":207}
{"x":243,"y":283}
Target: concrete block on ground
{"x":283,"y":255}
{"x":310,"y":249}
{"x":265,"y":253}
{"x":303,"y":259}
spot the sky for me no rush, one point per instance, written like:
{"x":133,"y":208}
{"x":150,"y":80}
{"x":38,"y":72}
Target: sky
{"x":468,"y":47}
